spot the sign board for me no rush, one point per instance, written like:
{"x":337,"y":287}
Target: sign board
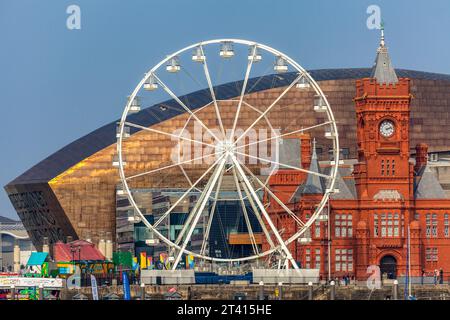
{"x":20,"y":282}
{"x":151,"y":242}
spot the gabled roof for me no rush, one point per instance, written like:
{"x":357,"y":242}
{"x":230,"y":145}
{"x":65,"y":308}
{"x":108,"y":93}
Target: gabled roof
{"x":428,"y":186}
{"x":382,"y":70}
{"x":88,"y":251}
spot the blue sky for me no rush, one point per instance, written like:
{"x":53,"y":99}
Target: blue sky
{"x":59,"y":84}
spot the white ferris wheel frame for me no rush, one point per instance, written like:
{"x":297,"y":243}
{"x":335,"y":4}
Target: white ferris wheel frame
{"x":282,"y":244}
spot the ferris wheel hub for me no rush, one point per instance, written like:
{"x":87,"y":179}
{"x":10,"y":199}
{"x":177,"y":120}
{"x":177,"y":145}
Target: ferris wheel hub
{"x":226,"y":146}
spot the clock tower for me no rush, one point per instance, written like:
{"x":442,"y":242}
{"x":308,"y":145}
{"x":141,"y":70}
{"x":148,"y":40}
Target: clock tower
{"x":382,"y":112}
{"x":383,"y":174}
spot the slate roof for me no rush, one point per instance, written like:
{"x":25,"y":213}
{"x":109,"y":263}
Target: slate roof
{"x":427,"y":185}
{"x":105,"y":136}
{"x":314,"y":183}
{"x":347,"y":189}
{"x":382,"y":69}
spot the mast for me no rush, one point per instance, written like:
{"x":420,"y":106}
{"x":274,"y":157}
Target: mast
{"x":409,"y":261}
{"x":329,"y":239}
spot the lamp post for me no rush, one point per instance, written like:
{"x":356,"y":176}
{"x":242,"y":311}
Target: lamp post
{"x":72,"y":250}
{"x":280,"y":290}
{"x":261,"y":290}
{"x":310,"y":291}
{"x":41,"y":292}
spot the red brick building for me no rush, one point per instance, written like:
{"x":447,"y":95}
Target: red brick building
{"x":382,"y":194}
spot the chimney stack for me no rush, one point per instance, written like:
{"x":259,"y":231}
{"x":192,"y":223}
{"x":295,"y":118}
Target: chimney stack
{"x":421,"y":156}
{"x":305,"y":140}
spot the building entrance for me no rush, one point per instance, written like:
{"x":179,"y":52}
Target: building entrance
{"x":388,"y":267}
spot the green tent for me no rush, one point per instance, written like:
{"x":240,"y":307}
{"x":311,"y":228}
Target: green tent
{"x":124,"y":259}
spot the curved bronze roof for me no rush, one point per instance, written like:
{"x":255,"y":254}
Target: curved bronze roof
{"x":104,"y":136}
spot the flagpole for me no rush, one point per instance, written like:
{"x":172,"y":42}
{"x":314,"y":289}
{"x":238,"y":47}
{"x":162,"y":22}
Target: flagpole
{"x":329,"y":240}
{"x":409,"y":261}
{"x":406,"y":294}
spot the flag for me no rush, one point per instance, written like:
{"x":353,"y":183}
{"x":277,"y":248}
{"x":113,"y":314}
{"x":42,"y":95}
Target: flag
{"x":143,"y":260}
{"x":135,"y":264}
{"x":150,"y":263}
{"x":163,"y":257}
{"x":94,"y":287}
{"x":190,"y":263}
{"x":45,"y":269}
{"x":126,"y":287}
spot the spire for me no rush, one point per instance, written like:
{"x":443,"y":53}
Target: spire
{"x":382,"y":35}
{"x":313,"y":182}
{"x":382,"y":70}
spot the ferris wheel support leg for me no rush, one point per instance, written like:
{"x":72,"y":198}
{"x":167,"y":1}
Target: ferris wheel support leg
{"x":265,"y":214}
{"x":198,"y":214}
{"x":244,"y":210}
{"x":258,"y":216}
{"x":211,"y":216}
{"x":194,"y":211}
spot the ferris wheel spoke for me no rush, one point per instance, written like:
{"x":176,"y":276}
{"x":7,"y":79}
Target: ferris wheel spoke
{"x":265,"y":214}
{"x":211,"y":90}
{"x":166,"y":88}
{"x":211,"y":217}
{"x":187,"y":178}
{"x":244,"y":211}
{"x":289,"y":211}
{"x":169,"y":166}
{"x":219,"y":171}
{"x":244,"y":87}
{"x":269,"y":108}
{"x":286,"y":134}
{"x":177,"y":136}
{"x":186,"y":193}
{"x":271,"y":129}
{"x":284,"y":165}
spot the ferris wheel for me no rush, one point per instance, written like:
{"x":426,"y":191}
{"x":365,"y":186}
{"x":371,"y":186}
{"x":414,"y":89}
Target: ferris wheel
{"x":221,"y":150}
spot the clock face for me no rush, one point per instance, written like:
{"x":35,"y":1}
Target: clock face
{"x":387,"y":128}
